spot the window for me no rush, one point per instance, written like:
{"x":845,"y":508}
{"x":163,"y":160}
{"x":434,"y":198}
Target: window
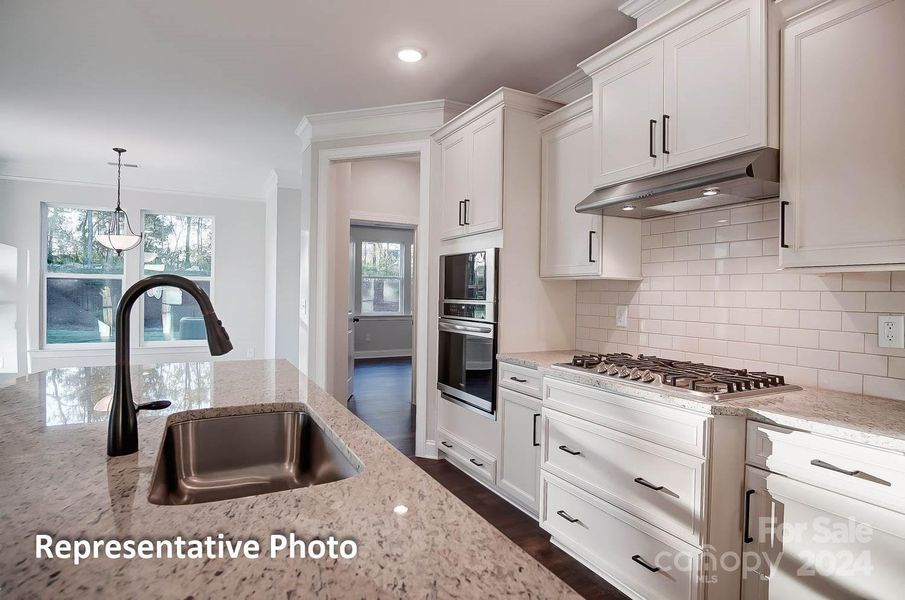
{"x":179,"y":245}
{"x":381,"y":278}
{"x":83,"y":281}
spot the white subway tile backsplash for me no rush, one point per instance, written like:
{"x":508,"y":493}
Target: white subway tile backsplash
{"x":842,"y":340}
{"x":820,"y":319}
{"x":712,"y":292}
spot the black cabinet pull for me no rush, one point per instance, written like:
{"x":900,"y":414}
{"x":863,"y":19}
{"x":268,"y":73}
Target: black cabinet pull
{"x":748,"y":538}
{"x":665,"y":134}
{"x":517,"y":380}
{"x":476,"y":463}
{"x":637,"y":558}
{"x":648,"y":484}
{"x":461,"y":204}
{"x":782,"y":223}
{"x":466,"y":201}
{"x":569,"y":450}
{"x":825,"y":465}
{"x":591,"y":246}
{"x":534,"y":441}
{"x":567,"y":516}
{"x":650,"y":135}
{"x":447,"y":444}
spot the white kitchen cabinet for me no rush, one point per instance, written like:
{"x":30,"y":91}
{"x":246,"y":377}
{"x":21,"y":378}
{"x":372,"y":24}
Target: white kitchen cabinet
{"x":714,"y":92}
{"x":574,"y":245}
{"x":454,"y":155}
{"x":821,"y":544}
{"x":520,"y":460}
{"x":688,"y":87}
{"x":843,"y":137}
{"x":473,"y":164}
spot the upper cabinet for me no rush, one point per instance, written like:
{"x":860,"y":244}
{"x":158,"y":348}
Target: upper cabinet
{"x":843,"y":137}
{"x":472,"y":159}
{"x":689,"y":87}
{"x":573,"y":245}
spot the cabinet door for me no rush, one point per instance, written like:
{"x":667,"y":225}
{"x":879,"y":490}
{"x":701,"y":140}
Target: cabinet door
{"x":821,"y":544}
{"x":570,"y":242}
{"x":628,"y":106}
{"x":454,"y":159}
{"x":484,"y":208}
{"x":521,"y":447}
{"x":843,"y":135}
{"x":715,"y":84}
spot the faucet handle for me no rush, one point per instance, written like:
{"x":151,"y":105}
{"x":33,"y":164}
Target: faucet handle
{"x":156,"y":405}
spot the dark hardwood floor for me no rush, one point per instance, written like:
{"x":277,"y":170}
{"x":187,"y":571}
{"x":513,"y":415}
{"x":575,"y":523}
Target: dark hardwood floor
{"x":521,"y":529}
{"x":383,"y":399}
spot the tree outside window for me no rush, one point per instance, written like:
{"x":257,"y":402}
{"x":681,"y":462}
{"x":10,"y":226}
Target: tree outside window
{"x":381,"y":278}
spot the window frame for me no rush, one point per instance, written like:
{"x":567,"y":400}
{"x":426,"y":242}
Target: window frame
{"x":403,"y":269}
{"x":47,"y":274}
{"x":142,"y":343}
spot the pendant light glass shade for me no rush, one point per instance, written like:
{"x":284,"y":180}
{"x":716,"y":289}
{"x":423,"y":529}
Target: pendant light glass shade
{"x":119,"y":236}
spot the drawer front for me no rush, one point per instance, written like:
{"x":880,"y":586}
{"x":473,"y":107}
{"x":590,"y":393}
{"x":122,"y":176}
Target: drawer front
{"x":467,"y":457}
{"x":617,"y":543}
{"x":673,"y":427}
{"x":658,"y":484}
{"x":870,"y":474}
{"x":520,"y":379}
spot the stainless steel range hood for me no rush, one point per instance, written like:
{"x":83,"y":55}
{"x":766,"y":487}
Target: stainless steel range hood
{"x":750,"y":175}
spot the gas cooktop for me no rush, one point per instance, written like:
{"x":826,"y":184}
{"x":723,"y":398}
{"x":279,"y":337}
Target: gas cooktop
{"x":682,"y":377}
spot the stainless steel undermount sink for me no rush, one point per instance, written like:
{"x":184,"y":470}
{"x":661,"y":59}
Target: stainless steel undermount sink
{"x":221,"y":458}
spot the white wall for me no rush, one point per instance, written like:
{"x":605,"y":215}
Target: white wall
{"x":711,"y":293}
{"x":288,"y":253}
{"x":239,"y":266}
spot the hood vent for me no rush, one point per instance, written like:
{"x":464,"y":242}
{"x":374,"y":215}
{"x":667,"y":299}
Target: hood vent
{"x":752,"y":175}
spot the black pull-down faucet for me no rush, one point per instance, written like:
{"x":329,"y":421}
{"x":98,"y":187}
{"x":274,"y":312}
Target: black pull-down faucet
{"x":122,"y":425}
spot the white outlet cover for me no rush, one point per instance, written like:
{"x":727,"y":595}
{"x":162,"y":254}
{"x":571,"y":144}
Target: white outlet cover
{"x":890,"y":331}
{"x":621,"y":315}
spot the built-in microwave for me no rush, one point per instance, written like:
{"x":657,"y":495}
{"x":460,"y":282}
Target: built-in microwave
{"x":467,"y":330}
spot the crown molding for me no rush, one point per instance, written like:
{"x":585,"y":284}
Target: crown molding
{"x":571,"y":87}
{"x":570,"y":111}
{"x":379,"y":120}
{"x":112,"y":186}
{"x":508,"y":97}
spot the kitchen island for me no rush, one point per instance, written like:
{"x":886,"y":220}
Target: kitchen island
{"x":56,"y":479}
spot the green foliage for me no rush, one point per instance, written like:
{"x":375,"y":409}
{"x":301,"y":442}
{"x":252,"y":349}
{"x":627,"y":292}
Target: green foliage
{"x":182,"y":245}
{"x":71,"y":247}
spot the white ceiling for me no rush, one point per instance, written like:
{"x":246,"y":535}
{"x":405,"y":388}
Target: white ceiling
{"x":206,"y":94}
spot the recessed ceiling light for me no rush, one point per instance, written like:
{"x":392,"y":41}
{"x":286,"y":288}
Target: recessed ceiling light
{"x":712,"y":191}
{"x":401,"y":509}
{"x":628,"y":207}
{"x":410,"y":55}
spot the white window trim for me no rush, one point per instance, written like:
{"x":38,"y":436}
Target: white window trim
{"x":142,"y":343}
{"x":47,"y":274}
{"x":403,"y":265}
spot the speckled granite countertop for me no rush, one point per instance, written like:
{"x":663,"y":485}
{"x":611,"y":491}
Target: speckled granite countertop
{"x":868,"y":420}
{"x":55,"y":478}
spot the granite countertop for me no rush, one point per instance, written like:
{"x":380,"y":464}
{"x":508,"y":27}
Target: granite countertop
{"x":864,"y":419}
{"x":55,"y":478}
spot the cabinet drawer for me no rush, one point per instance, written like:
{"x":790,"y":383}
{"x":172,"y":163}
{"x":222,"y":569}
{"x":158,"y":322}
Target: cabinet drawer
{"x":673,"y":427}
{"x":617,"y":543}
{"x":658,"y":484}
{"x":870,"y":474}
{"x":467,"y":457}
{"x":520,"y":379}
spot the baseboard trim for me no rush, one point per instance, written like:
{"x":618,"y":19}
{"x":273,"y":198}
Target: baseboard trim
{"x":382,"y":353}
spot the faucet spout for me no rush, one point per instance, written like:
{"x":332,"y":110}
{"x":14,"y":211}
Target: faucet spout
{"x":122,"y":424}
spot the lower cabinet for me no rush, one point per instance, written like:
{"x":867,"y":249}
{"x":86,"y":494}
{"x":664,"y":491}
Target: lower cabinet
{"x":520,"y":456}
{"x":807,"y":543}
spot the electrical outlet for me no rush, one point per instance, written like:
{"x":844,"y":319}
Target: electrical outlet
{"x":890,"y":331}
{"x":621,"y":315}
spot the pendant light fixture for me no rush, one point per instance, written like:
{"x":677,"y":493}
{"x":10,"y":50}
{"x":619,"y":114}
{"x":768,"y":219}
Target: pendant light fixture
{"x":119,"y":235}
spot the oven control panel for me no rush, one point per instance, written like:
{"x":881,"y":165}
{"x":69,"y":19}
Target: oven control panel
{"x":478,"y":312}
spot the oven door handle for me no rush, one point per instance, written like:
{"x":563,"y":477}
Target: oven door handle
{"x":446,"y":326}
